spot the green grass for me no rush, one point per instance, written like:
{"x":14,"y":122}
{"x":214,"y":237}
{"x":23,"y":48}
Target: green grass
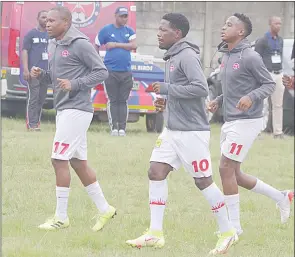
{"x":121,"y":165}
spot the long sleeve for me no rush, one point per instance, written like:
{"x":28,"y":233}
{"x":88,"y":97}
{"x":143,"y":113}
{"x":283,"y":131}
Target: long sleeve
{"x":261,"y":74}
{"x":197,"y":86}
{"x":90,"y":58}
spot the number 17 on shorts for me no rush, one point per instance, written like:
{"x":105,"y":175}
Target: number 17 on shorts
{"x":60,"y":148}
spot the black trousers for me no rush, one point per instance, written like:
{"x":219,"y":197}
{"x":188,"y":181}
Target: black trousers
{"x":36,"y":96}
{"x":118,"y":87}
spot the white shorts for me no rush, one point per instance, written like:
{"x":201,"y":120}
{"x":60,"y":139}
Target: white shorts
{"x":187,"y":148}
{"x":70,"y":139}
{"x":237,"y":137}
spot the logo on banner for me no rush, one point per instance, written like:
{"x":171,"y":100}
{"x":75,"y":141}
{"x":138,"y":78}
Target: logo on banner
{"x":83,"y":13}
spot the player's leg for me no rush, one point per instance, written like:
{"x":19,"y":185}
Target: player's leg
{"x":232,"y":150}
{"x":112,"y":92}
{"x":282,"y":198}
{"x":125,"y":87}
{"x":227,"y":168}
{"x":162,"y":161}
{"x":195,"y":156}
{"x":255,"y":185}
{"x":158,"y":193}
{"x":63,"y":180}
{"x":88,"y":178}
{"x":64,"y":145}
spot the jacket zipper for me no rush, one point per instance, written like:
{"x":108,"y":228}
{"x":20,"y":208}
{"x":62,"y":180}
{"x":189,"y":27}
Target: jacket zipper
{"x":224,"y":100}
{"x":167,"y":74}
{"x":53,"y":71}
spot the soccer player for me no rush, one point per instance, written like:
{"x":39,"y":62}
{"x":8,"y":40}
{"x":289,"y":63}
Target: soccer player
{"x":245,"y":84}
{"x":185,"y":140}
{"x":74,"y":68}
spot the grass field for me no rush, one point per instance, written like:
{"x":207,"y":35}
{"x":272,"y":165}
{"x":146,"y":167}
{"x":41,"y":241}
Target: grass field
{"x":121,"y":163}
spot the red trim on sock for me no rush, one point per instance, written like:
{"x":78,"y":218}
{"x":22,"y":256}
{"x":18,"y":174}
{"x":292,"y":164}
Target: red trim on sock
{"x":158,"y":202}
{"x":217,"y":207}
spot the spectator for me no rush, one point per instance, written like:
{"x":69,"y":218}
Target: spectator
{"x":34,"y":53}
{"x":119,"y":40}
{"x":270,"y":47}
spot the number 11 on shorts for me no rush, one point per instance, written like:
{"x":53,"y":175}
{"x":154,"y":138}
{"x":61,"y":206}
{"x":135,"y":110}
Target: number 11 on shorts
{"x":234,"y":146}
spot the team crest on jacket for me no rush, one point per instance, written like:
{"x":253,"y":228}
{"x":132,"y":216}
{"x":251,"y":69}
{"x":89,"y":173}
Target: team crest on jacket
{"x":172,"y":67}
{"x":83,"y":13}
{"x":236,"y":66}
{"x":65,"y":53}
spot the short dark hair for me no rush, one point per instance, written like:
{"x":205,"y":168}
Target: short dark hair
{"x":39,"y":13}
{"x":247,"y":23}
{"x":178,"y":21}
{"x":64,"y":12}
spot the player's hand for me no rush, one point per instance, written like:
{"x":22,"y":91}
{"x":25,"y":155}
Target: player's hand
{"x":64,"y":84}
{"x":160,"y":104}
{"x":26,"y":75}
{"x":212,"y":106}
{"x":110,"y":45}
{"x":156,"y":87}
{"x":35,"y":72}
{"x":288,"y":82}
{"x":245,"y":103}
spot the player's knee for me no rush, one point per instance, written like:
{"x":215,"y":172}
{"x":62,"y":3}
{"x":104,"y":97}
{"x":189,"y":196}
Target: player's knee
{"x":158,"y":171}
{"x":204,"y":182}
{"x":226,"y":167}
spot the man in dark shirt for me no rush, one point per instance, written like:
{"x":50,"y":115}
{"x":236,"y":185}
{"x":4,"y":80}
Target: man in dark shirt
{"x":119,"y":40}
{"x":270,"y":47}
{"x":34,"y":53}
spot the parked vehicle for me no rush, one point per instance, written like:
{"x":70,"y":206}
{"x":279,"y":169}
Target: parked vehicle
{"x":288,"y":102}
{"x":89,"y":17}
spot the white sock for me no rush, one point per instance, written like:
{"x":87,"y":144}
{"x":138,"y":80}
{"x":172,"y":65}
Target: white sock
{"x":158,"y":195}
{"x":216,"y":199}
{"x":96,"y":194}
{"x":62,"y":197}
{"x":233,"y":206}
{"x":267,"y":190}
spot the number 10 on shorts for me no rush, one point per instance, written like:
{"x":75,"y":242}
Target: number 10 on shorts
{"x":203,"y":165}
